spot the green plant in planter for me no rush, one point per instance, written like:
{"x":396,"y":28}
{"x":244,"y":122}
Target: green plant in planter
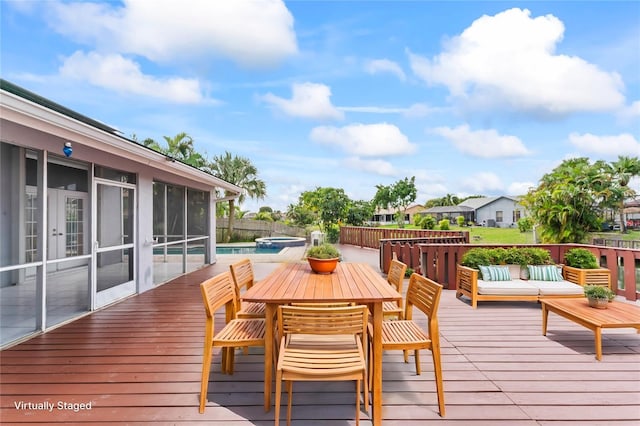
{"x":476,"y":256}
{"x":513,"y":255}
{"x":598,"y":292}
{"x":537,"y":256}
{"x":581,"y":258}
{"x":323,"y":251}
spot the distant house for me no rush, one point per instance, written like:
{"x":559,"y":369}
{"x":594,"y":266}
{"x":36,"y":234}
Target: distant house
{"x":500,"y":212}
{"x":387,"y":216}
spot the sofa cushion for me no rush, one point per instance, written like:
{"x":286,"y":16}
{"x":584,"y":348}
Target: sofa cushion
{"x":558,"y":288}
{"x":495,"y":273}
{"x":514,"y":271}
{"x":544,"y":273}
{"x":507,"y":288}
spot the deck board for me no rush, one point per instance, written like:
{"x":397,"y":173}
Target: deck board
{"x":138,"y":362}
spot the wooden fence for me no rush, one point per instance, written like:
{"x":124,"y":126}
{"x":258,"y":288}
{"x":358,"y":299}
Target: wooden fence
{"x":371,"y":236}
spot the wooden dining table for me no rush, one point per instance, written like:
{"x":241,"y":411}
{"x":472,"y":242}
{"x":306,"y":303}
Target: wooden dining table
{"x":350,"y":282}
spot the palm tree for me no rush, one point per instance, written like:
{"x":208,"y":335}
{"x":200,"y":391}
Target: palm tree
{"x":240,"y":172}
{"x":625,"y":169}
{"x":181,"y":148}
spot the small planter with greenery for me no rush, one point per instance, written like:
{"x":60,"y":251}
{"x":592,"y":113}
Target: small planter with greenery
{"x":581,"y":267}
{"x":598,"y":296}
{"x":324,"y":258}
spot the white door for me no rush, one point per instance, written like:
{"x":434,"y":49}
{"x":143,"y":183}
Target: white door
{"x":68,"y":231}
{"x":114,"y":245}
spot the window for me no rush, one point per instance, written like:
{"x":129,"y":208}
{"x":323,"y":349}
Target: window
{"x":517,"y":214}
{"x":499,"y":216}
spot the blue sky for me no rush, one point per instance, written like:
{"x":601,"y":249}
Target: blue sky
{"x":468,"y":97}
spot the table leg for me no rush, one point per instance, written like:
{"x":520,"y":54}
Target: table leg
{"x":376,"y":390}
{"x":598,"y":333}
{"x":545,"y":317}
{"x":270,"y":312}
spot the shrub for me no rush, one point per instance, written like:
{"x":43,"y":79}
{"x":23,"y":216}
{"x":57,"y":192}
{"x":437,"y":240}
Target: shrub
{"x":427,"y":222}
{"x":513,"y":255}
{"x":333,"y":234}
{"x":525,"y":224}
{"x":460,"y":220}
{"x":444,"y":224}
{"x":408,"y":272}
{"x":476,"y":256}
{"x":581,"y":258}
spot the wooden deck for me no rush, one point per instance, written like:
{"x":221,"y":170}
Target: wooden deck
{"x":139,"y":361}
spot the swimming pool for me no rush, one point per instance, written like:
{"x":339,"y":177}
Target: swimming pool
{"x":247,"y":250}
{"x":280,"y":242}
{"x":252,"y":249}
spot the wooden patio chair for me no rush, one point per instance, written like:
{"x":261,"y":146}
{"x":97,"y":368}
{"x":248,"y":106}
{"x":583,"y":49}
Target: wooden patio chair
{"x":243,"y":277}
{"x":217,"y":292}
{"x":322,"y":357}
{"x":405,"y":335}
{"x":395,"y":277}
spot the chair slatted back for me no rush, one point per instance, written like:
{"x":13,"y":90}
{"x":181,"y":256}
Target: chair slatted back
{"x":219,"y":291}
{"x":242,"y":273}
{"x":424,"y":294}
{"x":395,"y":276}
{"x":323,"y":320}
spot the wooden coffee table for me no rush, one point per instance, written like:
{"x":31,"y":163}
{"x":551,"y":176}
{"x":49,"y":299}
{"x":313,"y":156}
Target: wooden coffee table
{"x":617,"y":315}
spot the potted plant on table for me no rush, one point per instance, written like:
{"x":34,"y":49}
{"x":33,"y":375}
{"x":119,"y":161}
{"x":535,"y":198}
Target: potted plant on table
{"x":323,"y":258}
{"x":598,"y":296}
{"x":582,"y":267}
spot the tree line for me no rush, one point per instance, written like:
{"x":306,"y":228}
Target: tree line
{"x":569,"y":202}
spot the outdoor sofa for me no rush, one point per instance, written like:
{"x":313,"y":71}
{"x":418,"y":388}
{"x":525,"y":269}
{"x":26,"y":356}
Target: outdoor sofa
{"x":514,"y":283}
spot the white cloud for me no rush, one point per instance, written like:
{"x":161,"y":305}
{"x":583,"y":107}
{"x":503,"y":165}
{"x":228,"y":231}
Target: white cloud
{"x":366,"y":140}
{"x":414,"y":110}
{"x":249,"y":32}
{"x":630,"y":113}
{"x":510,"y":59}
{"x":378,"y":66}
{"x":308,"y":100}
{"x":609,"y":146}
{"x":520,"y":188}
{"x":123,"y":75}
{"x":482,"y":143}
{"x":380,"y":167}
{"x":481,"y":182}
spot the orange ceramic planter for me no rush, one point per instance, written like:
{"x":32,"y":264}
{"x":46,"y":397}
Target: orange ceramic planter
{"x":323,"y":266}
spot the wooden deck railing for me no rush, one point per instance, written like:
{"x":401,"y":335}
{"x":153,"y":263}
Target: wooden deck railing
{"x":403,"y":249}
{"x":371,"y":236}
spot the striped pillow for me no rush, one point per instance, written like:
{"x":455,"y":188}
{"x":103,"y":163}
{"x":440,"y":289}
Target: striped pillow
{"x":544,"y":273}
{"x":495,"y":273}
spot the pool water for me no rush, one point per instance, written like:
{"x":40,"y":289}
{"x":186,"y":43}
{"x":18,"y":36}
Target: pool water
{"x":248,"y":250}
{"x":221,"y":250}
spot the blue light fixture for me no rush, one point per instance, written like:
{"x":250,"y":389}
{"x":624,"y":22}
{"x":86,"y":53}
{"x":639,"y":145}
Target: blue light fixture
{"x":67,"y":149}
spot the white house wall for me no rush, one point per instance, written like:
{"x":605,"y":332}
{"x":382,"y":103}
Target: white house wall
{"x":488,"y":212}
